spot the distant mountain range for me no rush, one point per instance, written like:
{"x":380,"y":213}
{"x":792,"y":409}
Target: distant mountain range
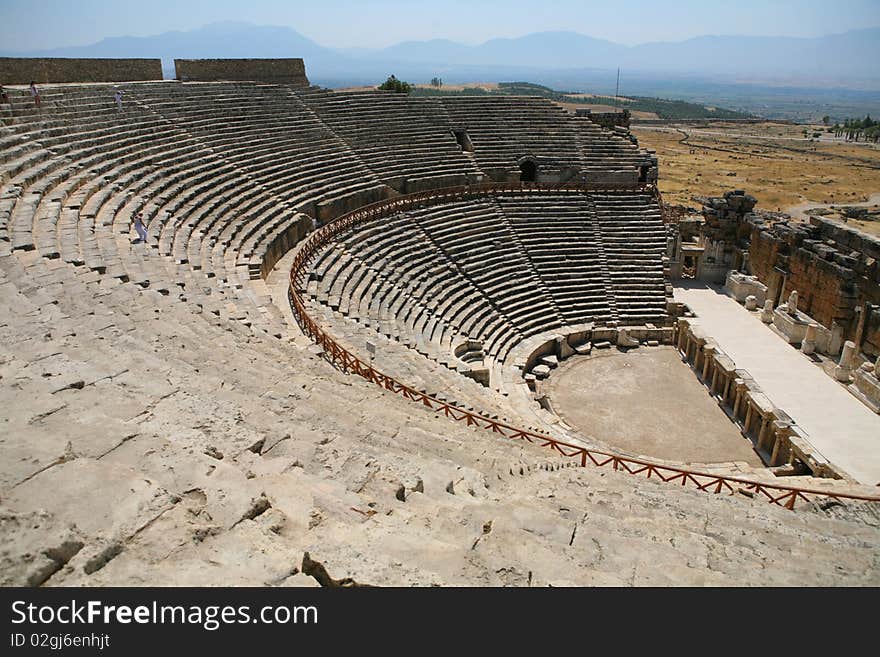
{"x":851,"y":56}
{"x":851,"y":59}
{"x":788,"y":78}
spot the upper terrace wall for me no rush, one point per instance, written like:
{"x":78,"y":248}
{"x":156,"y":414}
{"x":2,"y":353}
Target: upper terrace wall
{"x":287,"y":71}
{"x":833,"y":267}
{"x":21,"y":70}
{"x":606,"y":119}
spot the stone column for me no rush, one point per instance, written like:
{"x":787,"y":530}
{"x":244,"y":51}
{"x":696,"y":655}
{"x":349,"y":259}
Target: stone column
{"x":726,"y":388}
{"x":740,"y":387}
{"x":689,"y":347}
{"x":764,"y":433}
{"x":808,"y":345}
{"x":699,"y":344}
{"x":780,"y":300}
{"x":844,"y":366}
{"x":749,"y":413}
{"x":767,"y":313}
{"x":781,"y":438}
{"x":836,"y":342}
{"x":793,"y":303}
{"x":716,"y":374}
{"x":708,"y":353}
{"x":682,"y":339}
{"x":864,"y":313}
{"x":751,"y":302}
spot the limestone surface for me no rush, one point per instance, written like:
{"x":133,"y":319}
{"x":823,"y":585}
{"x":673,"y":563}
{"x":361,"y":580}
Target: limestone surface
{"x":165,"y":422}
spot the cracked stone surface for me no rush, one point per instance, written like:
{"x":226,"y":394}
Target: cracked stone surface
{"x":122,"y":482}
{"x":152,"y":434}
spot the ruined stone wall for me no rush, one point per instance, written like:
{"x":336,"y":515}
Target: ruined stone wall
{"x":824,"y":288}
{"x":282,"y":71}
{"x":871,"y":339}
{"x":607,"y":120}
{"x":834,"y":269}
{"x":846,"y":237}
{"x":21,"y":70}
{"x":720,"y":234}
{"x":763,"y":254}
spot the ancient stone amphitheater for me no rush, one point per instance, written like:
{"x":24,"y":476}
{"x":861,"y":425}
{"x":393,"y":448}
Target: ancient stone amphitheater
{"x":332,"y":342}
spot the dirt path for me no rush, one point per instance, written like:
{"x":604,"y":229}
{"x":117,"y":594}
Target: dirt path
{"x":799,"y":211}
{"x":754,"y":140}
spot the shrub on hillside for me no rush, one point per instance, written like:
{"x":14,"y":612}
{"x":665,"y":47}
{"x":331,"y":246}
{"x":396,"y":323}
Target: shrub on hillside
{"x":395,"y":85}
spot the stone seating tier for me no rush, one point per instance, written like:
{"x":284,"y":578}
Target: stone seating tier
{"x":498,"y":270}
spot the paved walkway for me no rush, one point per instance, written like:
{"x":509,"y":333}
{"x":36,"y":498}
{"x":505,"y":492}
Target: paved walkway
{"x":836,"y":423}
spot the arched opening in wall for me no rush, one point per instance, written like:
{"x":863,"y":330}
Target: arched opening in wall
{"x":643,"y":173}
{"x":464,"y":140}
{"x":528,"y":171}
{"x":688,"y":267}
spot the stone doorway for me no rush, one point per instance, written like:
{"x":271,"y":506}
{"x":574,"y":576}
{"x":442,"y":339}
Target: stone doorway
{"x":464,"y":140}
{"x":528,"y":171}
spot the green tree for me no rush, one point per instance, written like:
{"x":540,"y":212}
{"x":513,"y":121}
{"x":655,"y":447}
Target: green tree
{"x":436,"y":82}
{"x":395,"y":85}
{"x":826,"y":119}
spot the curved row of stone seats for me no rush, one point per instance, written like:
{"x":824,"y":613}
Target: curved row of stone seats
{"x":493,"y":271}
{"x":202,"y":227}
{"x":561,"y":237}
{"x":497,"y":270}
{"x":425,"y":375}
{"x":140,"y":412}
{"x":140,"y":401}
{"x":605,"y":150}
{"x":80,"y":205}
{"x":504,"y":129}
{"x":407,"y":141}
{"x":476,"y":238}
{"x":103,"y":148}
{"x":394,"y":279}
{"x":132,"y":419}
{"x":634,"y":239}
{"x":231,"y":257}
{"x":272,"y":136}
{"x":392,"y":270}
{"x":70,"y":140}
{"x":440,"y":254}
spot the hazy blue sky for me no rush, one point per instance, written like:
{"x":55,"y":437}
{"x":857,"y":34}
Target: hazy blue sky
{"x":36,"y":24}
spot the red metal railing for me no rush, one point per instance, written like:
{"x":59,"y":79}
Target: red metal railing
{"x":338,"y":356}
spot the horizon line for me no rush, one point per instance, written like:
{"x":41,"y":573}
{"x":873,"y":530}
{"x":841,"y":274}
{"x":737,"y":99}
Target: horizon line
{"x":446,"y":39}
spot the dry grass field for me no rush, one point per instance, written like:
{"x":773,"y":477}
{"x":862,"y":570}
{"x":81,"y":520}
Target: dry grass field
{"x":771,"y":161}
{"x":622,"y":102}
{"x":596,"y":107}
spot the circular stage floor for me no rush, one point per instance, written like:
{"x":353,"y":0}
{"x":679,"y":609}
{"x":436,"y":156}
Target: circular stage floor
{"x":647,"y":402}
